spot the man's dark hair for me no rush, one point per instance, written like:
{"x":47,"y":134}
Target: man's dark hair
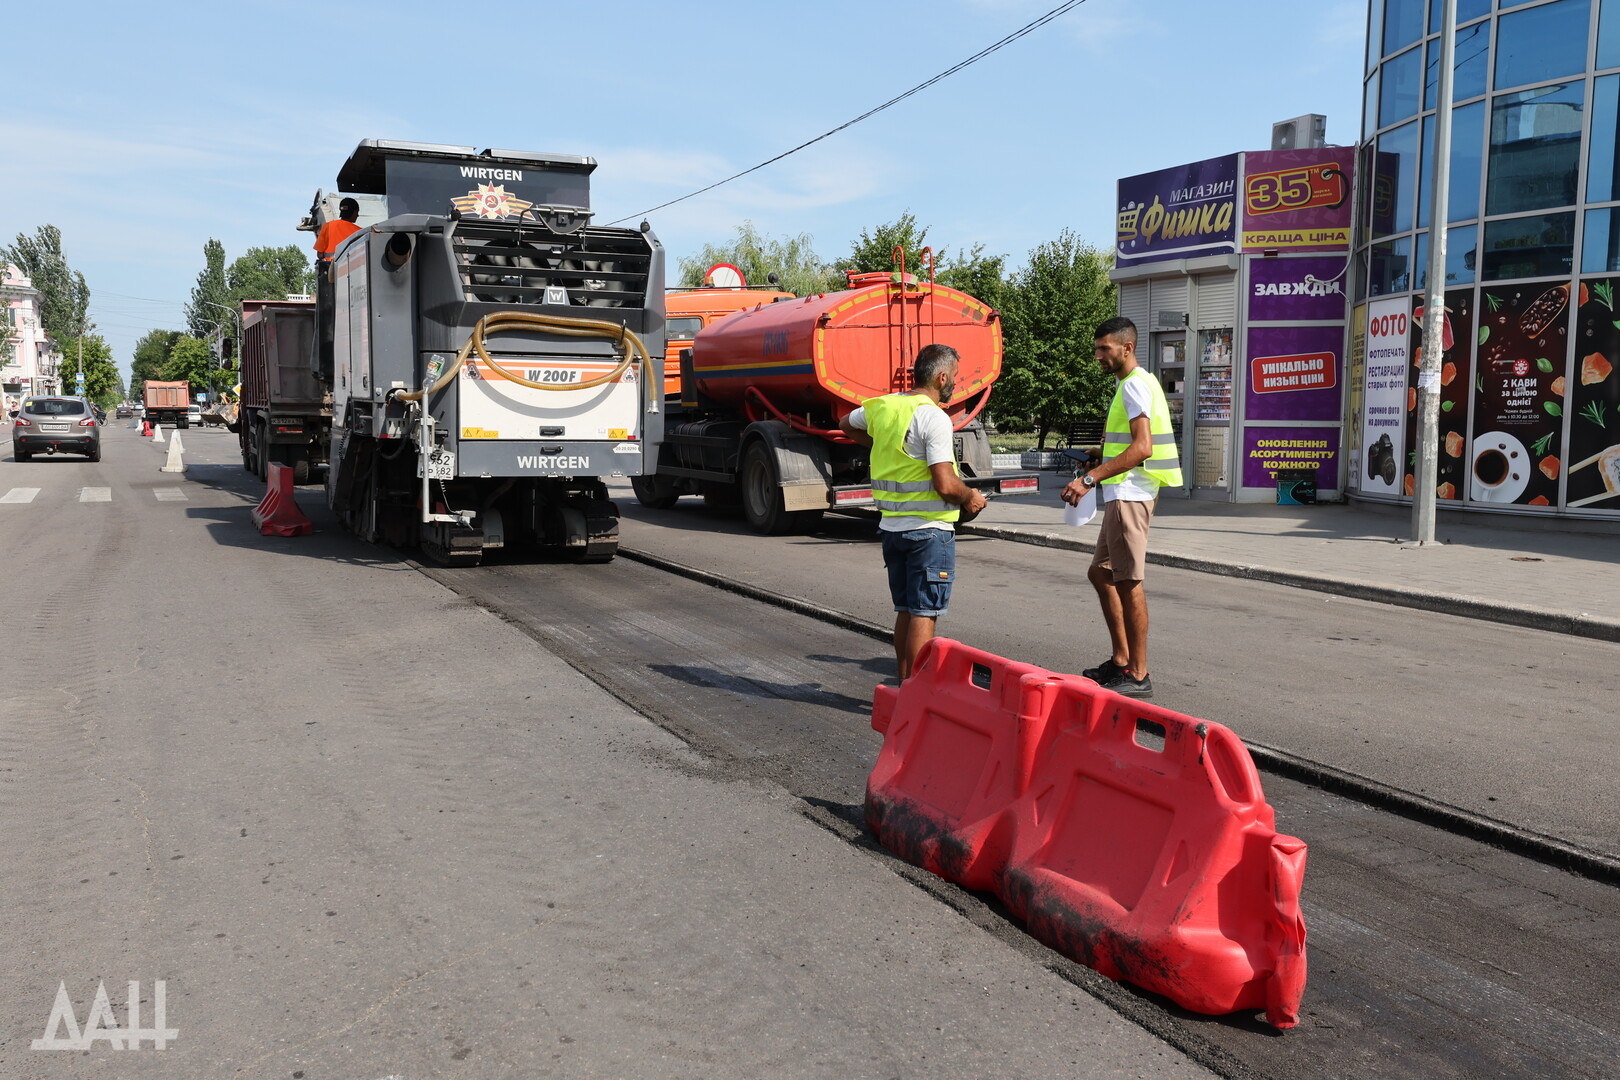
{"x":1118,"y":327}
{"x":347,"y":207}
{"x":931,"y":360}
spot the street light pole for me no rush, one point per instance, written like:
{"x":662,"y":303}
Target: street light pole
{"x":1427,"y":479}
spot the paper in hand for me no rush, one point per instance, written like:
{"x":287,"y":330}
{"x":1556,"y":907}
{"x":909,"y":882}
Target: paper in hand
{"x":1083,"y":512}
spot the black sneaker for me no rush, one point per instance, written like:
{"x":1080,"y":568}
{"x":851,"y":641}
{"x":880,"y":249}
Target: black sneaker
{"x":1126,"y":686}
{"x":1105,"y":672}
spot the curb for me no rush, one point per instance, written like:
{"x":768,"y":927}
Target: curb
{"x":1551,"y":850}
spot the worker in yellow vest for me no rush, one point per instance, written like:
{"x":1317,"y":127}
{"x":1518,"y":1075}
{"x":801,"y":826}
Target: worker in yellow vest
{"x":916,"y":485}
{"x":1139,"y":457}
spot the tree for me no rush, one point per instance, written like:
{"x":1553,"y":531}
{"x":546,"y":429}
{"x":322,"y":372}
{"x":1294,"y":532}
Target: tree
{"x":268,"y":274}
{"x":102,"y":383}
{"x":151,"y":357}
{"x":873,"y":251}
{"x":192,"y":359}
{"x":792,"y":259}
{"x":64,"y":296}
{"x":1050,"y":312}
{"x":981,"y":276}
{"x":211,"y":296}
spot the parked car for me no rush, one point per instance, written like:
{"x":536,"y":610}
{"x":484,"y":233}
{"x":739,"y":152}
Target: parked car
{"x":194,"y":416}
{"x":53,"y":425}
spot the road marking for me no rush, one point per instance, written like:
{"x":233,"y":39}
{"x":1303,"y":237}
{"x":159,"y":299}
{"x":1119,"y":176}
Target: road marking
{"x":169,"y":495}
{"x":95,"y":494}
{"x":19,"y":495}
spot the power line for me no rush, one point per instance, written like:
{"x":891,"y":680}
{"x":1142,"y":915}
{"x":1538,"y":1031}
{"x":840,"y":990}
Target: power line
{"x":1028,"y":28}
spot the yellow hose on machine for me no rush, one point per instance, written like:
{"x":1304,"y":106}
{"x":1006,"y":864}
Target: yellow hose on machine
{"x":494,"y":323}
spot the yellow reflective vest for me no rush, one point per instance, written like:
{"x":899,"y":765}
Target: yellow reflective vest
{"x":1164,"y":465}
{"x":902,"y":486}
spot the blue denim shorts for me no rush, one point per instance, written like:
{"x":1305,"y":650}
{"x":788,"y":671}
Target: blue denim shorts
{"x":922,"y":565}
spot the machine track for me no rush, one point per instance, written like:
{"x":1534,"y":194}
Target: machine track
{"x":1432,"y":953}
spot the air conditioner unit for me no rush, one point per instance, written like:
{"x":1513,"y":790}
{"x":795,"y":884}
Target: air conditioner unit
{"x":1308,"y":132}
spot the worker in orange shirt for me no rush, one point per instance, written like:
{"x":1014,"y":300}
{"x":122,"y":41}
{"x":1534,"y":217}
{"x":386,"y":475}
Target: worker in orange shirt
{"x":333,"y":233}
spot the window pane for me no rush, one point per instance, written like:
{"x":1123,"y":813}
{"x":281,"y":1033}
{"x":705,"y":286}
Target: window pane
{"x":1608,"y":51}
{"x":1399,"y":97}
{"x":1540,"y":246}
{"x":1541,"y":43}
{"x":1403,"y":23}
{"x":1535,"y":149}
{"x":1467,"y":67}
{"x":1389,"y":270}
{"x":1394,"y":181}
{"x":1460,"y":256}
{"x":1600,"y":244}
{"x":1602,"y":165}
{"x":1369,"y":108}
{"x":1375,"y":38}
{"x":1466,"y":9}
{"x":1467,"y":135}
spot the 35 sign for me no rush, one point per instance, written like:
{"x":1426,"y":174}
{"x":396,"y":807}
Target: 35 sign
{"x":1304,"y":188}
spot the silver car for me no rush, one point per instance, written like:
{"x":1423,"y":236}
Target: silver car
{"x":51,"y":425}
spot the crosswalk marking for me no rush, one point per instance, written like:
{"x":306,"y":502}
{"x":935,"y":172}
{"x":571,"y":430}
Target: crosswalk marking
{"x":90,"y":494}
{"x":169,"y":494}
{"x":19,"y":495}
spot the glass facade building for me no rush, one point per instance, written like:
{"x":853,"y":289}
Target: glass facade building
{"x":1530,"y":405}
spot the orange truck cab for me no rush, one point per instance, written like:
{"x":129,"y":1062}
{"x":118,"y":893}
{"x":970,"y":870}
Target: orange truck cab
{"x":686,"y":311}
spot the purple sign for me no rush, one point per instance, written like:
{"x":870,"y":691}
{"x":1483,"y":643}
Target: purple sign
{"x":1178,"y":213}
{"x":1297,"y":200}
{"x":1297,"y":290}
{"x":1267,"y":449}
{"x":1294,"y":373}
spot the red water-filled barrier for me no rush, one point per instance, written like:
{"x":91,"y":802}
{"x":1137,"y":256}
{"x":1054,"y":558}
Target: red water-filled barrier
{"x":277,"y":513}
{"x":1134,"y":839}
{"x":146,"y":428}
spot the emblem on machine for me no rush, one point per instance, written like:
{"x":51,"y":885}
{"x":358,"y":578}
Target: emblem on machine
{"x":490,"y":201}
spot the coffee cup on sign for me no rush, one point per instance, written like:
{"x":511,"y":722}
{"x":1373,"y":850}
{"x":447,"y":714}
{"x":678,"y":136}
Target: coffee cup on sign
{"x":1495,"y":464}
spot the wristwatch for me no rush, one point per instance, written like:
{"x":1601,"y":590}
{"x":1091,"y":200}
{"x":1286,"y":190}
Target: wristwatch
{"x":1088,"y":480}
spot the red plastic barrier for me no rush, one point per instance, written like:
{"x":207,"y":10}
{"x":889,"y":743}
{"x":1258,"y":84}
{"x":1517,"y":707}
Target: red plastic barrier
{"x":277,"y":513}
{"x":960,"y":737}
{"x":1134,"y":839}
{"x":146,"y":427}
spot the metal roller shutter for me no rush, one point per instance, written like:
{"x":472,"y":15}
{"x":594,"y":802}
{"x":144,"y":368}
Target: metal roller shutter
{"x":1216,"y":301}
{"x":1133,"y":304}
{"x":1169,"y":294}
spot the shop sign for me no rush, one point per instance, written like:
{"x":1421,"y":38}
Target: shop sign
{"x":1294,"y":373}
{"x":1297,"y":200}
{"x":1520,"y":390}
{"x":1592,"y":394}
{"x":1297,"y":290}
{"x":1266,"y":450}
{"x":1178,"y":213}
{"x":1384,"y":398}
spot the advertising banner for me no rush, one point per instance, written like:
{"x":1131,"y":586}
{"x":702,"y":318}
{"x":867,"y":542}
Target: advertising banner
{"x":1519,"y":395}
{"x":1178,"y":213}
{"x":1293,"y":373}
{"x":1297,"y":290}
{"x":1265,"y":450}
{"x":1456,"y":337}
{"x":1297,"y":200}
{"x":1593,"y":396}
{"x":1384,"y":399}
{"x":1355,"y":381}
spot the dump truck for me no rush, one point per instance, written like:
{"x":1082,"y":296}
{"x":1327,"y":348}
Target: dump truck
{"x":763,"y":390}
{"x":493,"y":354}
{"x":284,"y":414}
{"x":167,"y":402}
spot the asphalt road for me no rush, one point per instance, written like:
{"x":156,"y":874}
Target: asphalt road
{"x":360,"y":827}
{"x":1511,"y":723}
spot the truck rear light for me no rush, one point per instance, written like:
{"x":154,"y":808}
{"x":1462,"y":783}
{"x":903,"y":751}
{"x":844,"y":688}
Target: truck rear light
{"x":282,"y":429}
{"x":1028,"y":483}
{"x":854,"y":495}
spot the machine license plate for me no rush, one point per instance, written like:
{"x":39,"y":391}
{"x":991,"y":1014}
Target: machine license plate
{"x":53,"y":427}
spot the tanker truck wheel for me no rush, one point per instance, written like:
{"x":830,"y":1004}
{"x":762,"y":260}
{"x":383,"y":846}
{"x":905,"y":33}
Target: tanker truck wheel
{"x":761,"y":490}
{"x":655,"y":492}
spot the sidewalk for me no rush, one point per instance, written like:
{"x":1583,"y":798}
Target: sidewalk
{"x":1527,"y":573}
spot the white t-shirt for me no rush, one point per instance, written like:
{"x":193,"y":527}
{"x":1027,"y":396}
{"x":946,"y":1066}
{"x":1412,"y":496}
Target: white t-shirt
{"x":1137,"y":486}
{"x":929,"y":439}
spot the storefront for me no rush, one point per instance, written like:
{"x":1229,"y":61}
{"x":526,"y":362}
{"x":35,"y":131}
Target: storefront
{"x":1234,"y":270}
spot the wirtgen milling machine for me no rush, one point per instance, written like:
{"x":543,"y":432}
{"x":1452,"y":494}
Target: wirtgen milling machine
{"x":492,"y":355}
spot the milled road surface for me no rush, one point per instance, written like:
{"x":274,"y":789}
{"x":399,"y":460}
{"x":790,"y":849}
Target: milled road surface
{"x":362,"y":828}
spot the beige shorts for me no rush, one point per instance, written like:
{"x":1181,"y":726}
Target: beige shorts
{"x":1122,"y":540}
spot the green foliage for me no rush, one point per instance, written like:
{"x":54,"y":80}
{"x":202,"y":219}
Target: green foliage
{"x":211,"y":296}
{"x":981,"y":276}
{"x":64,"y":296}
{"x":1051,"y":309}
{"x":151,"y":356}
{"x":192,"y":359}
{"x":268,"y":274}
{"x":103,"y":385}
{"x":873,"y":252}
{"x":791,"y":258}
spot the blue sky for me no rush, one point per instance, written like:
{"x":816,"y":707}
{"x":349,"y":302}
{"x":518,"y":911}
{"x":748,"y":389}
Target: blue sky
{"x":141,"y":130}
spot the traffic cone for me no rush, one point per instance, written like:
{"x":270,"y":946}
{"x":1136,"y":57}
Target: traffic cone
{"x":173,"y":463}
{"x":157,"y":433}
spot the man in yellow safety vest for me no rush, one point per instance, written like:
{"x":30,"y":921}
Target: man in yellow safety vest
{"x":916,"y":485}
{"x":1139,"y":457}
